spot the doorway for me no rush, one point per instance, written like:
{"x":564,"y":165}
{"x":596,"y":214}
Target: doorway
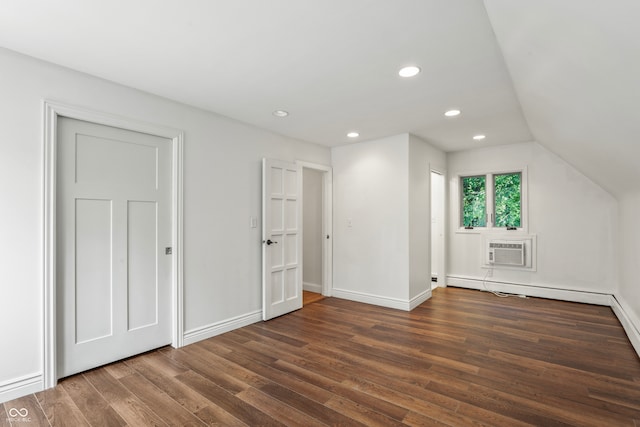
{"x":316,"y":219}
{"x":283,"y":235}
{"x":437,"y":230}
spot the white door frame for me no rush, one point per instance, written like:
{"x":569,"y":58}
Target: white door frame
{"x":327,"y":221}
{"x":441,"y":269}
{"x":53,"y":110}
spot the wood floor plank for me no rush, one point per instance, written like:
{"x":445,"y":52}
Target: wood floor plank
{"x":278,"y":410}
{"x":213,"y":415}
{"x":364,"y":414}
{"x":24,"y":411}
{"x":311,"y":297}
{"x":128,"y":406}
{"x":185,"y":396}
{"x":462,"y":358}
{"x":420,"y":420}
{"x":420,"y":401}
{"x":107,"y":385}
{"x":227,"y":401}
{"x":4,"y":417}
{"x":119,"y":369}
{"x":59,"y":409}
{"x":308,"y":406}
{"x":159,"y":402}
{"x":228,"y":375}
{"x":137,"y":413}
{"x":272,"y":375}
{"x":95,"y":408}
{"x":344,"y":390}
{"x":568,"y":412}
{"x":163,"y":364}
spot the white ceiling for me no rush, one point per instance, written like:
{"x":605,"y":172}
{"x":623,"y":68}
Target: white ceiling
{"x":575,"y":66}
{"x":332,"y":64}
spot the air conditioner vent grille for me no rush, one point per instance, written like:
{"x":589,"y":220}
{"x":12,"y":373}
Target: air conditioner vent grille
{"x":506,"y":253}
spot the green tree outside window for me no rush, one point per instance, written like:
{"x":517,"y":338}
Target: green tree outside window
{"x":474,"y":197}
{"x":506,"y":189}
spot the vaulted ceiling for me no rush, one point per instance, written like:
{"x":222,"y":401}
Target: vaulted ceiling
{"x":575,"y":66}
{"x":562,"y":73}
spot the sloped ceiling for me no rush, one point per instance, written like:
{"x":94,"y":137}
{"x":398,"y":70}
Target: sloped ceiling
{"x":575,"y":66}
{"x":332,"y":64}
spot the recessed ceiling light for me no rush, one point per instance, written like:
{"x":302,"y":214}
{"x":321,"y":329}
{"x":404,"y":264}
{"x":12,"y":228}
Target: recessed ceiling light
{"x":280,"y":113}
{"x":353,"y":134}
{"x":409,"y":71}
{"x":452,"y":113}
{"x":479,"y":137}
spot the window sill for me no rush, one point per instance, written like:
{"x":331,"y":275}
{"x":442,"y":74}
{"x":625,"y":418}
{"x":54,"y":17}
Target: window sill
{"x":478,"y":230}
{"x":492,"y":230}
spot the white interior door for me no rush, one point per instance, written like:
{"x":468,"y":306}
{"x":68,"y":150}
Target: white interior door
{"x":281,"y":239}
{"x":113,"y":277}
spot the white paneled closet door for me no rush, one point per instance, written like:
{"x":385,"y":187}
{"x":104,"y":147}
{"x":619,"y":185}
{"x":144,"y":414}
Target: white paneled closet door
{"x":113,"y":225}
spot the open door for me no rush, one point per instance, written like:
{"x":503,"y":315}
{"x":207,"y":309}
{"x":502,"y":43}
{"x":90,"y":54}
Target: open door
{"x":281,"y":239}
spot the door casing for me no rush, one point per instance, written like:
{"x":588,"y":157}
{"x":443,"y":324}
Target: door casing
{"x":53,"y":110}
{"x":440,"y":211}
{"x":327,"y":221}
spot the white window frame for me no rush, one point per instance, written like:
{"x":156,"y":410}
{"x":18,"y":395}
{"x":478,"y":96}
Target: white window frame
{"x":490,"y":196}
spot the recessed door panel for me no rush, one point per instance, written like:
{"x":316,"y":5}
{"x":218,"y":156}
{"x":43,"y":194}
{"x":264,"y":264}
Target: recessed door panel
{"x":291,"y":224}
{"x":93,"y":279}
{"x":291,"y":250}
{"x":277,"y":286}
{"x":276,"y":187}
{"x":142,"y":264}
{"x":290,"y":182}
{"x":277,"y":214}
{"x":291,"y":286}
{"x":277,"y":252}
{"x":100,"y":160}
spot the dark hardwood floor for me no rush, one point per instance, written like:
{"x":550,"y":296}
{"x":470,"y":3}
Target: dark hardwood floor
{"x":462,"y":358}
{"x":311,"y":297}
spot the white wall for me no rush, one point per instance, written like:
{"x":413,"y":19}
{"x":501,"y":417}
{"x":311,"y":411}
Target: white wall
{"x":370,"y":189}
{"x":222,"y":189}
{"x":574,"y":219}
{"x":312,"y":229}
{"x":628,"y":293}
{"x":382,"y":189}
{"x":422,"y":158}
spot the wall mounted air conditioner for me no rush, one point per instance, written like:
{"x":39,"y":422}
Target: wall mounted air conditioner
{"x":506,"y":252}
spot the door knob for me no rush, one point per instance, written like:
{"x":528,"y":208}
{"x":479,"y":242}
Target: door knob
{"x":270,"y":242}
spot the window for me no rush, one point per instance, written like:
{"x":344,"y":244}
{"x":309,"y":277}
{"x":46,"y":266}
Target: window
{"x":492,"y":200}
{"x":506,"y":200}
{"x":474,"y":201}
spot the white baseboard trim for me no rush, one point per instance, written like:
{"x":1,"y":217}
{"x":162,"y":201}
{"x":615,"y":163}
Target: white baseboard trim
{"x":419,"y":299}
{"x":208,"y":331}
{"x":388,"y":302}
{"x":629,"y":321}
{"x":21,"y":386}
{"x":312,"y":287}
{"x":533,"y":290}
